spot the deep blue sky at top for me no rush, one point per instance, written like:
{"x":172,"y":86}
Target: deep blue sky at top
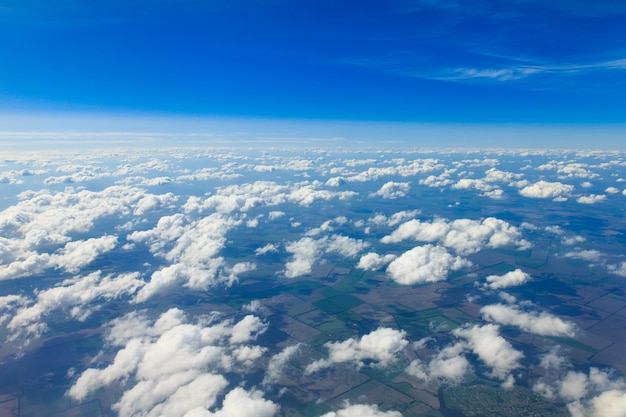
{"x":447,"y":61}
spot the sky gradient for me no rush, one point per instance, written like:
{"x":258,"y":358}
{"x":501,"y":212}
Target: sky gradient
{"x":491,"y":65}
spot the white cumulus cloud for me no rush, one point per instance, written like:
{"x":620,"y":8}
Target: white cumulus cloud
{"x":424,"y":264}
{"x":541,"y":323}
{"x":380,"y":346}
{"x":510,"y":279}
{"x":486,"y":342}
{"x":173,"y":367}
{"x":544,"y":189}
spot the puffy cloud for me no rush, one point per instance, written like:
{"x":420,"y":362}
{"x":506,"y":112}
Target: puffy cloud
{"x":469,"y":236}
{"x":394,"y":219}
{"x":335,"y":181}
{"x":611,"y":190}
{"x":373,"y":261}
{"x":438,"y":181}
{"x":276,"y":364}
{"x":573,"y":386}
{"x":449,"y":365}
{"x":495,"y":175}
{"x":475,"y":184}
{"x":305,"y":195}
{"x":73,"y":297}
{"x":553,"y":359}
{"x":9,"y":303}
{"x":243,"y":197}
{"x":415,"y":167}
{"x":193,"y":243}
{"x":82,"y":176}
{"x":327,"y":226}
{"x":345,"y":246}
{"x":14,"y":176}
{"x":307,"y":251}
{"x":596,"y":393}
{"x":80,"y":253}
{"x":192,"y":246}
{"x":608,"y":404}
{"x":591,"y":199}
{"x":239,"y":403}
{"x":495,"y":194}
{"x":591,"y":255}
{"x":423,"y":264}
{"x":544,"y":189}
{"x":269,"y":248}
{"x":72,"y":257}
{"x":392,"y":190}
{"x":510,"y":279}
{"x":486,"y":342}
{"x":178,"y":275}
{"x":35,"y":230}
{"x":569,"y":169}
{"x":151,"y":202}
{"x":173,"y":367}
{"x":576,"y":170}
{"x":465,"y":236}
{"x":572,"y":240}
{"x":488,"y":184}
{"x":362,"y":410}
{"x":418,"y":230}
{"x":380,"y":346}
{"x":542,"y":323}
{"x":619,"y":269}
{"x":275,"y":214}
{"x":209,"y":173}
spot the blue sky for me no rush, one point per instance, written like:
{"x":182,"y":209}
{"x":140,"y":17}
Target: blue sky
{"x":488,"y":64}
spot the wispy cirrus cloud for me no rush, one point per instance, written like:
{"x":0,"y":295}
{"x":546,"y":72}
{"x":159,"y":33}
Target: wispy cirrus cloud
{"x":514,"y":71}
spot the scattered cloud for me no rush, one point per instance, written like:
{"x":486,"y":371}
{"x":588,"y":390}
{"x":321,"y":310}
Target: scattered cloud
{"x":541,"y":323}
{"x":362,"y":410}
{"x":71,"y":299}
{"x":276,"y":364}
{"x":38,"y":232}
{"x":269,"y":248}
{"x":392,"y":190}
{"x":464,"y":236}
{"x":486,"y":342}
{"x":510,"y":279}
{"x":381,"y":347}
{"x":449,"y":365}
{"x":307,"y":251}
{"x":171,"y":366}
{"x":394,"y":219}
{"x":373,"y":261}
{"x":557,"y":191}
{"x":424,"y":264}
{"x":591,"y":199}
